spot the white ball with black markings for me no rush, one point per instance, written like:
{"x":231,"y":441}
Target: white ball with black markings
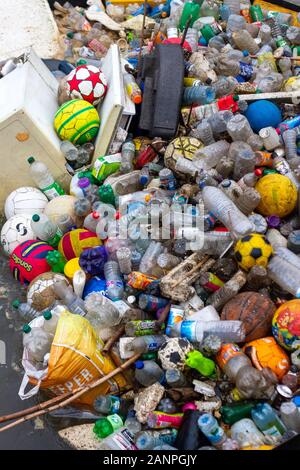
{"x":16,"y":230}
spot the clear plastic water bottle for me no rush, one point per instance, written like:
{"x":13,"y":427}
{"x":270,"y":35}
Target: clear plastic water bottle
{"x":91,"y":221}
{"x":267,"y":420}
{"x":244,"y":163}
{"x":290,"y":416}
{"x":231,"y":359}
{"x":147,"y":440}
{"x":74,"y":303}
{"x":133,"y":425}
{"x":101,"y":311}
{"x":114,"y":283}
{"x":196,"y":331}
{"x":128,"y":153}
{"x":148,"y":372}
{"x":37,"y":342}
{"x":289,"y":138}
{"x":110,"y":404}
{"x":201,"y":94}
{"x":149,"y":259}
{"x":287,"y":255}
{"x":122,"y":439}
{"x":192,"y":38}
{"x":208,"y":157}
{"x":239,"y":128}
{"x":225,"y":86}
{"x":212,"y":430}
{"x":204,"y":133}
{"x":124,"y":259}
{"x":270,"y":138}
{"x":246,"y":433}
{"x":70,"y":152}
{"x":45,"y":229}
{"x":65,"y":223}
{"x":175,"y":378}
{"x":147,"y":343}
{"x":167,"y":261}
{"x":225,"y":210}
{"x":26,"y":312}
{"x":244,"y":41}
{"x":285,"y":275}
{"x":234,"y":6}
{"x":42,"y":177}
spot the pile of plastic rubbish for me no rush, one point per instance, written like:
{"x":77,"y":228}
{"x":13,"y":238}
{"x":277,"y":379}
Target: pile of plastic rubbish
{"x":179,"y":245}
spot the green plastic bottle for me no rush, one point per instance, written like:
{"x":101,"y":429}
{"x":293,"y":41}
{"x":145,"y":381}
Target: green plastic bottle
{"x":56,"y":261}
{"x":106,"y":194}
{"x":190,"y":9}
{"x":106,"y":426}
{"x":202,"y":364}
{"x":256,"y":13}
{"x":233,"y":412}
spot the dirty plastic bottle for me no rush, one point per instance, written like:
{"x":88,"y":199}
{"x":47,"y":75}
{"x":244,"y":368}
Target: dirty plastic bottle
{"x":225,"y":210}
{"x":147,"y":440}
{"x":110,"y":404}
{"x":114,"y":283}
{"x":246,"y":433}
{"x":290,"y":416}
{"x":231,"y":360}
{"x":101,"y":311}
{"x":285,"y":275}
{"x":122,"y":439}
{"x":79,"y":281}
{"x":287,"y":255}
{"x":227,"y":331}
{"x":149,"y":259}
{"x":239,"y":128}
{"x":244,"y":41}
{"x":132,"y":88}
{"x":148,"y":372}
{"x":204,"y":133}
{"x":37,"y":342}
{"x":289,"y":138}
{"x":147,"y":343}
{"x":82,"y":207}
{"x":201,"y":94}
{"x":26,"y":312}
{"x":267,"y":420}
{"x":192,"y":38}
{"x":91,"y":221}
{"x":167,"y":261}
{"x":212,"y":430}
{"x":208,"y":157}
{"x":244,"y":163}
{"x":42,"y":177}
{"x":74,"y":303}
{"x":66,"y":223}
{"x":133,"y":425}
{"x":128,"y":153}
{"x":124,"y":259}
{"x":175,"y":378}
{"x":270,"y":138}
{"x":45,"y":229}
{"x":70,"y":152}
{"x":234,"y":6}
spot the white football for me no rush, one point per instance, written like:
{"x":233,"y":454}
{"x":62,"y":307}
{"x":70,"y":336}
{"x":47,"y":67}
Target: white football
{"x":25,"y":200}
{"x":16,"y":230}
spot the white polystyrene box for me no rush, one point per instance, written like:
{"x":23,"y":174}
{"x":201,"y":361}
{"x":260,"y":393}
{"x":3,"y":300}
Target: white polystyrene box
{"x":28,"y":103}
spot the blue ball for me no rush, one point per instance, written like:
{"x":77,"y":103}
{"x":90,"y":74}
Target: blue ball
{"x":263,"y":113}
{"x":96,"y":284}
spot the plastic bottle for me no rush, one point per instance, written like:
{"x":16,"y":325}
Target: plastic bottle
{"x":290,"y":416}
{"x":198,"y":95}
{"x":106,"y":194}
{"x":204,"y":133}
{"x":233,"y":412}
{"x":37,"y":342}
{"x":148,"y":372}
{"x":25,"y":311}
{"x":70,"y":152}
{"x":101,"y":311}
{"x":227,"y":331}
{"x":285,"y":275}
{"x":249,"y":180}
{"x":145,"y":344}
{"x":91,"y":221}
{"x":211,"y":429}
{"x":128,"y":153}
{"x":231,"y":288}
{"x":160,"y":420}
{"x":122,"y":439}
{"x":175,"y":378}
{"x":114,"y":283}
{"x":133,"y":425}
{"x":149,"y":259}
{"x":142,"y":328}
{"x":167,"y":261}
{"x":69,"y":298}
{"x":224,"y":209}
{"x":244,"y":163}
{"x":66,"y":223}
{"x":192,"y":10}
{"x":209,"y":156}
{"x":202,"y":364}
{"x":82,"y":207}
{"x":289,"y":138}
{"x":244,"y":41}
{"x":192,"y":38}
{"x":246,"y":433}
{"x":45,"y":229}
{"x":124,"y":260}
{"x":147,"y":440}
{"x":239,"y":128}
{"x":231,"y":360}
{"x":43,"y":179}
{"x":267,"y":420}
{"x":132,"y":88}
{"x":110,"y":404}
{"x":270,"y":138}
{"x":106,"y":426}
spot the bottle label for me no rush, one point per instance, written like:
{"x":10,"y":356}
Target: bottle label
{"x":227,"y":352}
{"x":140,"y":281}
{"x":175,"y":316}
{"x":114,"y":283}
{"x":187,"y":330}
{"x":53,"y":191}
{"x":124,"y":440}
{"x":116,"y":421}
{"x":165,"y":420}
{"x":105,"y":166}
{"x":147,"y":327}
{"x":272,"y":431}
{"x":115,"y":405}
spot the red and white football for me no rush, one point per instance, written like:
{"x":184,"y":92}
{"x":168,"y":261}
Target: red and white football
{"x":88,"y":83}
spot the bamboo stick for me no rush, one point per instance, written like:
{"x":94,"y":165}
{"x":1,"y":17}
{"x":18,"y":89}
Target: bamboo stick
{"x":108,"y":345}
{"x":74,"y":395}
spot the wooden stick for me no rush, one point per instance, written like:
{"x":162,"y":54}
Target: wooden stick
{"x":77,"y":393}
{"x":108,"y":345}
{"x":142,"y":38}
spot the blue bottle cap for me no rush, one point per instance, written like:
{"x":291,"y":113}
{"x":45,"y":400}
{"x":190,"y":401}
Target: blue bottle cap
{"x":139,"y":364}
{"x":245,"y":53}
{"x":144,"y":180}
{"x":202,"y":41}
{"x":296,"y":400}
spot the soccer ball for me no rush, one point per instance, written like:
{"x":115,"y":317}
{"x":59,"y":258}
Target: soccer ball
{"x":87,"y":83}
{"x":251,"y":250}
{"x":77,"y":121}
{"x":181,"y":147}
{"x":265,"y":352}
{"x":16,"y":230}
{"x":172,"y":354}
{"x":40,"y":293}
{"x":278,"y":195}
{"x":25,"y":200}
{"x":286,"y":325}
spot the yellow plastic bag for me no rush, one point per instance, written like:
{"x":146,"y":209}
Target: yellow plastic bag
{"x":75,"y":360}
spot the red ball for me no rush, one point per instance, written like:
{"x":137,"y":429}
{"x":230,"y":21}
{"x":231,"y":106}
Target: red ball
{"x":28,"y":260}
{"x":88,"y":83}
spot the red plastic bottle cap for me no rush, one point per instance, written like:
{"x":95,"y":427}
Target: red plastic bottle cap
{"x":95,"y":215}
{"x":258,"y":172}
{"x":185,"y":45}
{"x":221,"y":229}
{"x":278,"y":131}
{"x":137,"y":99}
{"x":117,"y":215}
